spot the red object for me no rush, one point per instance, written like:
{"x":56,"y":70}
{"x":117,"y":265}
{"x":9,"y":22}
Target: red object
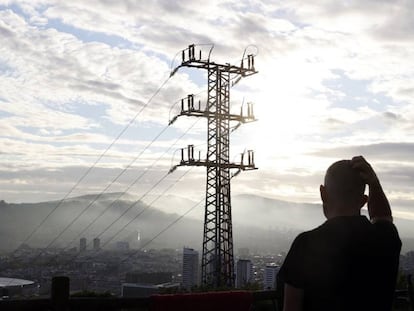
{"x":212,"y":301}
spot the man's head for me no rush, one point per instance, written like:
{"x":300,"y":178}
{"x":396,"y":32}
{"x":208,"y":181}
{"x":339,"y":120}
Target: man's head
{"x":343,"y":191}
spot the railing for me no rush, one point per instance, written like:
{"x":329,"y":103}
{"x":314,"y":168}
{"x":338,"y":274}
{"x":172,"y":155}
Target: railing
{"x":60,"y":301}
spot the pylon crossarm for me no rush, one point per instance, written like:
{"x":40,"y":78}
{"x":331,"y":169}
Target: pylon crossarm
{"x":232,"y":69}
{"x":194,"y":58}
{"x":207,"y":114}
{"x":214,"y":164}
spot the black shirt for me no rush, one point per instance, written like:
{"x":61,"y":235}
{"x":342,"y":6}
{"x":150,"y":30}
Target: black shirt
{"x":347,"y":263}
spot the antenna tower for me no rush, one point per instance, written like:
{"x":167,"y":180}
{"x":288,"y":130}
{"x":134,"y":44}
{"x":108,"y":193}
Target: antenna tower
{"x":217,"y":267}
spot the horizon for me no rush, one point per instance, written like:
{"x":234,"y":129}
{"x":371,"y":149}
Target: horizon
{"x":241,"y":205}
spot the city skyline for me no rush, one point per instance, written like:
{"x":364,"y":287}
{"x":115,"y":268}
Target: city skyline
{"x":333,"y":82}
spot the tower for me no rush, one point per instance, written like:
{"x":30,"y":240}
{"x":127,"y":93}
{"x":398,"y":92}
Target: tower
{"x":217,"y":266}
{"x":190,"y":268}
{"x":270,"y":275}
{"x":244,"y":272}
{"x":82,"y":244}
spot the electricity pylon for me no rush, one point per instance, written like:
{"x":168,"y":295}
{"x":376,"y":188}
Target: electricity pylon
{"x":217,"y":267}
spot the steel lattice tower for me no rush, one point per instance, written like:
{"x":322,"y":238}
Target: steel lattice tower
{"x":217,"y":268}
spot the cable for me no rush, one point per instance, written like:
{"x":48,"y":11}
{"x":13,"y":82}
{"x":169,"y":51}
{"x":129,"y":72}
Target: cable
{"x":119,"y":175}
{"x":88,"y":171}
{"x":132,"y":205}
{"x":147,"y":207}
{"x":254,"y":54}
{"x":136,"y":216}
{"x":102,"y":192}
{"x":97,"y":161}
{"x":106,"y":188}
{"x":134,"y":182}
{"x":129,"y":187}
{"x":166,"y":228}
{"x":93,"y":165}
{"x":106,"y":229}
{"x":163,"y":230}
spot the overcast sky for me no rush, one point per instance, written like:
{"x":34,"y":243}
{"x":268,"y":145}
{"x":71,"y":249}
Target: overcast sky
{"x":336,"y":79}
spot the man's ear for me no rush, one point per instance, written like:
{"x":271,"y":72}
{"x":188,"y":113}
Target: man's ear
{"x":324,"y":195}
{"x":324,"y":198}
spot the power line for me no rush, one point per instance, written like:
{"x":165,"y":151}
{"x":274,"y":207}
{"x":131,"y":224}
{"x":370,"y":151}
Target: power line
{"x":136,"y":216}
{"x":90,"y":169}
{"x":106,"y":188}
{"x":147,"y":207}
{"x":132,"y":205}
{"x":133,"y":183}
{"x":165,"y":229}
{"x":129,"y":187}
{"x":94,"y":164}
{"x":169,"y":225}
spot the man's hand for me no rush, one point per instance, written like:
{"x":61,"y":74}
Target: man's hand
{"x":365,"y":170}
{"x":378,"y":206}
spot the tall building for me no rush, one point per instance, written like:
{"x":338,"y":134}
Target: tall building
{"x":190,"y":268}
{"x":82,"y":244}
{"x":270,"y":273}
{"x":96,"y":244}
{"x":244,"y":272}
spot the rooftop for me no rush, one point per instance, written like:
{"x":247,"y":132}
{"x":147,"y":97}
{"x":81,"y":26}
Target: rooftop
{"x":10,"y":282}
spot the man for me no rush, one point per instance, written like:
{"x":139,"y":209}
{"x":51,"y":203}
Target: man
{"x":349,"y":262}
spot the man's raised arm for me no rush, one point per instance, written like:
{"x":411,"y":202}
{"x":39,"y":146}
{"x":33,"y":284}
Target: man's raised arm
{"x":378,"y":205}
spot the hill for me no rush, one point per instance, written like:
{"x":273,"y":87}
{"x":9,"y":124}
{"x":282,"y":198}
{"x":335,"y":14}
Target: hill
{"x":259,"y":223}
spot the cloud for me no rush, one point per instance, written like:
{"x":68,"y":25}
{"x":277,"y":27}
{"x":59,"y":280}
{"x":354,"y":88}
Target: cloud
{"x":78,"y":71}
{"x":382,"y":151}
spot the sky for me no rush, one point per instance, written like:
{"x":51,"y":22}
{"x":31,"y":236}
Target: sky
{"x":335,"y":79}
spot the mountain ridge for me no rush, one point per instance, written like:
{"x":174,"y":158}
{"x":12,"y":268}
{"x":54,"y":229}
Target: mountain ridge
{"x":259,"y":221}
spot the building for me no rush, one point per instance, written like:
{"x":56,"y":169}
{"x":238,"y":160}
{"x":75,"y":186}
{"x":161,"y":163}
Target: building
{"x":10,"y":288}
{"x":134,"y":239}
{"x":190,"y":268}
{"x":244,"y":272}
{"x":270,"y":274}
{"x":82,"y":244}
{"x":96,"y":244}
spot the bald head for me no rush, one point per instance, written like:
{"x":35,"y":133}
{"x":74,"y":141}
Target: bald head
{"x":344,"y":185}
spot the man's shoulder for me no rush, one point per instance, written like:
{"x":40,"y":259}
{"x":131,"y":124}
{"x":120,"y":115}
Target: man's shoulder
{"x":333,"y":228}
{"x":303,"y":238}
{"x":321,"y":229}
{"x":387,"y":231}
{"x":341,"y":226}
